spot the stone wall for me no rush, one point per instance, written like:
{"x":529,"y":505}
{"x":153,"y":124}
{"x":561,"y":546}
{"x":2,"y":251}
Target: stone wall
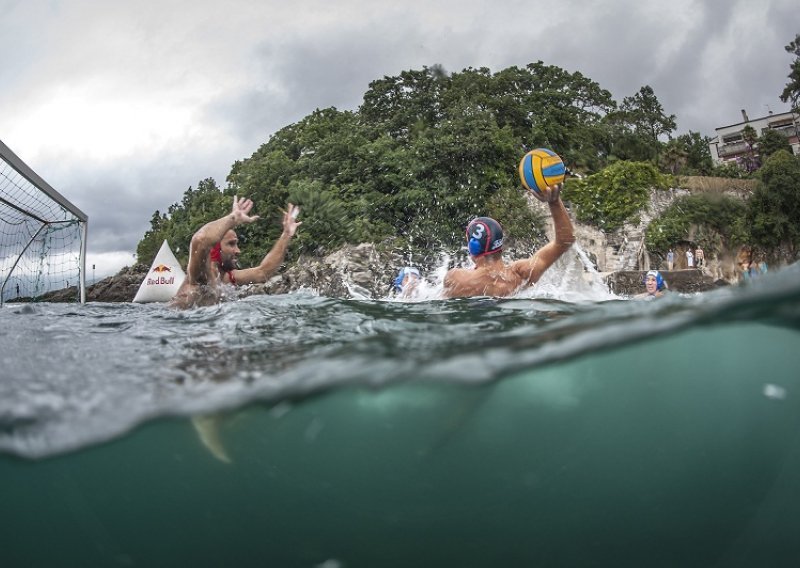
{"x":687,"y":281}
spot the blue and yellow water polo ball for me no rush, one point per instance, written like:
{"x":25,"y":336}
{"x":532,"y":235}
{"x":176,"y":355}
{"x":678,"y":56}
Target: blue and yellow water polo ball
{"x":540,"y":168}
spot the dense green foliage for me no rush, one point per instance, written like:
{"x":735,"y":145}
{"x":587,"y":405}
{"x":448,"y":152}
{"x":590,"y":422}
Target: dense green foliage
{"x":424,"y":153}
{"x":427,"y":151}
{"x":695,"y":154}
{"x":791,"y":93}
{"x":768,"y":219}
{"x":638,"y":125}
{"x":181,"y":221}
{"x":770,"y":142}
{"x":710,"y":220}
{"x":615,"y":195}
{"x":773,"y":212}
{"x":730,"y":170}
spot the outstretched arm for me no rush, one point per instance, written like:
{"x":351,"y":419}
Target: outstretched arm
{"x":270,"y":264}
{"x":531,"y":269}
{"x":210,"y":234}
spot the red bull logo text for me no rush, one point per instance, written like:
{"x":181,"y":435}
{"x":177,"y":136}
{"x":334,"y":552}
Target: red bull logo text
{"x":161,"y":280}
{"x":157,"y":280}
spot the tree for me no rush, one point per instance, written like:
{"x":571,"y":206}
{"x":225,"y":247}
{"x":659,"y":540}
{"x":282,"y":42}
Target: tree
{"x":698,"y":154}
{"x":615,"y":195}
{"x":750,"y":137}
{"x":198,"y":207}
{"x":674,"y":156}
{"x":640,"y":122}
{"x":791,"y":93}
{"x":773,"y":212}
{"x":645,"y":113}
{"x":399,"y":105}
{"x":147,"y":249}
{"x":770,"y":142}
{"x":714,"y":221}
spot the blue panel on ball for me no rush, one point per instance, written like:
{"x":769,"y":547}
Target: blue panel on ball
{"x":554,"y":170}
{"x":527,"y":170}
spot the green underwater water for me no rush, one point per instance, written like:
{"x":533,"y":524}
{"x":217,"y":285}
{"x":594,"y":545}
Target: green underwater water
{"x":682,"y":449}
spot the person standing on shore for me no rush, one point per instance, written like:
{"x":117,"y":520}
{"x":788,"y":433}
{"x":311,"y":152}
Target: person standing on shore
{"x":670,"y":259}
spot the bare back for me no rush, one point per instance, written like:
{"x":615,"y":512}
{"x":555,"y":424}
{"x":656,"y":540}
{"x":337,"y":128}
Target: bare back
{"x":492,"y":277}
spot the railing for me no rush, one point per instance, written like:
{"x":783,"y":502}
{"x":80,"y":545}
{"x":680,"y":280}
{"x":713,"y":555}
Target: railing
{"x":731,"y":149}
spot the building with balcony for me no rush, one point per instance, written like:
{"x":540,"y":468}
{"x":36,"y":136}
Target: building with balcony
{"x":729,"y":145}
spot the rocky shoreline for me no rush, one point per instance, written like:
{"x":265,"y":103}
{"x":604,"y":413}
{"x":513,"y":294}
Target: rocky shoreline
{"x":361,"y":270}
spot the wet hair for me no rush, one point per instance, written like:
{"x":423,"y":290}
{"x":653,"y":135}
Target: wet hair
{"x":484,"y":236}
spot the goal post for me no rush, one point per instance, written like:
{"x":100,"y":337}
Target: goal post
{"x":42,"y":236}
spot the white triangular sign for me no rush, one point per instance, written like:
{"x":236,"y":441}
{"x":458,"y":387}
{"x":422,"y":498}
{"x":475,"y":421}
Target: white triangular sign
{"x":163,"y":279}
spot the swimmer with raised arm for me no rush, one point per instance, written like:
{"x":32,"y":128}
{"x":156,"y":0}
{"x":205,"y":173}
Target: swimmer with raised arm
{"x":493,"y":277}
{"x":214,"y":252}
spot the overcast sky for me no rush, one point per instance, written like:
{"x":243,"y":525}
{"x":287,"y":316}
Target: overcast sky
{"x":123,"y":105}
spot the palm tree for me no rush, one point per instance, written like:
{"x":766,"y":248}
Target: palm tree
{"x":750,"y":136}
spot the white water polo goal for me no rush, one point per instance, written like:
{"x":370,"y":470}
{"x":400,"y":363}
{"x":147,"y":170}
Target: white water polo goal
{"x":42,"y":236}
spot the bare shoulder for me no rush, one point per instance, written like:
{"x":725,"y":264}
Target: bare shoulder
{"x":528,"y":269}
{"x":454,"y":280}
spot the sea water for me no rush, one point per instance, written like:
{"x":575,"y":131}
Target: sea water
{"x":563,"y":427}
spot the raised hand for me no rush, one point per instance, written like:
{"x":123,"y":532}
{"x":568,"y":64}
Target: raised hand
{"x":551,"y":194}
{"x":290,"y":222}
{"x":241,"y":210}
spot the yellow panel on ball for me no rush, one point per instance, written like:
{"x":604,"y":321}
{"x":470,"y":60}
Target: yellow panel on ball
{"x":541,"y":168}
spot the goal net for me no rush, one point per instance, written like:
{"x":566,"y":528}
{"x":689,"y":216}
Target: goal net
{"x":42,"y":237}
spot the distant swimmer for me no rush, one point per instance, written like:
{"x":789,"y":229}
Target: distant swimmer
{"x":407,"y":282}
{"x":214,"y":252}
{"x":493,"y":277}
{"x":654,"y":285}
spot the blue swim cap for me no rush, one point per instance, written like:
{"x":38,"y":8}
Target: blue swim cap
{"x":660,"y":284}
{"x":398,"y":281}
{"x":484,"y":236}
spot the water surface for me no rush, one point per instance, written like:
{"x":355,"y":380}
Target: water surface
{"x":556,"y":429}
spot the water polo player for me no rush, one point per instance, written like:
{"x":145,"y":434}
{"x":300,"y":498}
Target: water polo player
{"x":214,"y":251}
{"x":654,"y":285}
{"x":491,"y":276}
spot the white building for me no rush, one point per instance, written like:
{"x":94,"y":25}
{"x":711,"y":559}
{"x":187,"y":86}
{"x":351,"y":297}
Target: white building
{"x":729,"y":145}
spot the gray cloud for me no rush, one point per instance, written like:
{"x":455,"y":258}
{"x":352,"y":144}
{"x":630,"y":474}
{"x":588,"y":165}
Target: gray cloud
{"x":123,"y":106}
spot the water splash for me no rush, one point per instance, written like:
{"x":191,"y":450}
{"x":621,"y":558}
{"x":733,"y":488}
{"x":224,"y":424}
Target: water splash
{"x":573,"y":278}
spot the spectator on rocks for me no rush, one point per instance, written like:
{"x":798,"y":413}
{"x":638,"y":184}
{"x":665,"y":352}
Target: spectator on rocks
{"x":700,"y":257}
{"x":689,"y":258}
{"x":670,"y":259}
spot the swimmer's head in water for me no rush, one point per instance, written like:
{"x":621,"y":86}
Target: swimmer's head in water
{"x":484,"y":236}
{"x":659,"y":280}
{"x":407,"y":271}
{"x":226,"y":252}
